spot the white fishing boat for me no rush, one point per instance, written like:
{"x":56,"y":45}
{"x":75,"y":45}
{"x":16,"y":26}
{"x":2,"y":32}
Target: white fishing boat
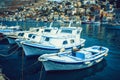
{"x":31,"y":34}
{"x":11,"y":37}
{"x":80,"y":59}
{"x":23,"y":35}
{"x":64,"y":37}
{"x":9,"y":30}
{"x":28,"y":36}
{"x":35,"y":36}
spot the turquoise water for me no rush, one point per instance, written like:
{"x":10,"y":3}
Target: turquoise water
{"x":19,"y":67}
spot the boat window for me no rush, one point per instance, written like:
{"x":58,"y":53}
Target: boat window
{"x":47,"y":39}
{"x":22,"y":34}
{"x":47,"y":30}
{"x":78,"y":32}
{"x":19,"y":34}
{"x":65,"y":42}
{"x":33,"y":36}
{"x":30,"y":35}
{"x":37,"y":30}
{"x":72,"y":41}
{"x":66,"y":31}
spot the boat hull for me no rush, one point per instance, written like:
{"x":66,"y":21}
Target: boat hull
{"x":18,"y":41}
{"x":30,"y":50}
{"x":36,"y":50}
{"x":84,"y":58}
{"x":3,"y":38}
{"x":11,"y":40}
{"x":54,"y":66}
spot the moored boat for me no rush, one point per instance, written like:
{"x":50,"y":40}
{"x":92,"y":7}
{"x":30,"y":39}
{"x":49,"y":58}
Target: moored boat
{"x":80,"y":59}
{"x":5,"y":31}
{"x":23,"y":35}
{"x":9,"y":30}
{"x":3,"y":39}
{"x":35,"y":36}
{"x":64,"y":37}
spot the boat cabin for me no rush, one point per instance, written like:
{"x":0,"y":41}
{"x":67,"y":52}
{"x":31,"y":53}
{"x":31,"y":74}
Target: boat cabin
{"x":50,"y":31}
{"x":63,"y":38}
{"x":83,"y":54}
{"x":70,"y":30}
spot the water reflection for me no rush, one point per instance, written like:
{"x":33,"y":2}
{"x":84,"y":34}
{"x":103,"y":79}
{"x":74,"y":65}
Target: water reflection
{"x":76,"y":74}
{"x":108,"y":36}
{"x":113,"y":36}
{"x":94,"y":31}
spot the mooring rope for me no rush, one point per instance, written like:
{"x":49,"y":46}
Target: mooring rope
{"x":10,"y":48}
{"x":33,"y":63}
{"x":41,"y":73}
{"x":4,"y":76}
{"x":10,"y":53}
{"x":13,"y":47}
{"x":22,"y":73}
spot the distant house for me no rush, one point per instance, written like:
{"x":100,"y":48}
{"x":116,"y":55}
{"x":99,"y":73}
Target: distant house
{"x":56,"y":0}
{"x":85,"y":2}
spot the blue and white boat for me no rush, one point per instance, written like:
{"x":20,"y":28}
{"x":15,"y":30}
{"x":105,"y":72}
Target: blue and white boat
{"x":19,"y":36}
{"x":5,"y":30}
{"x":65,"y":37}
{"x":80,"y":59}
{"x":12,"y":37}
{"x":9,"y":30}
{"x":27,"y":36}
{"x":35,"y":36}
{"x":23,"y":35}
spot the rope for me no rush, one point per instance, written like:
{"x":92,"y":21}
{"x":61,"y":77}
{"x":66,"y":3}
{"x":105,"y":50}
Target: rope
{"x":9,"y":54}
{"x":41,"y":73}
{"x":4,"y":76}
{"x":34,"y":63}
{"x":13,"y":47}
{"x":22,"y":73}
{"x":10,"y":48}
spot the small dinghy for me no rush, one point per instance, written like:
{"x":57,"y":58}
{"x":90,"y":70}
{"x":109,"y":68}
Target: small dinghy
{"x":82,"y":58}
